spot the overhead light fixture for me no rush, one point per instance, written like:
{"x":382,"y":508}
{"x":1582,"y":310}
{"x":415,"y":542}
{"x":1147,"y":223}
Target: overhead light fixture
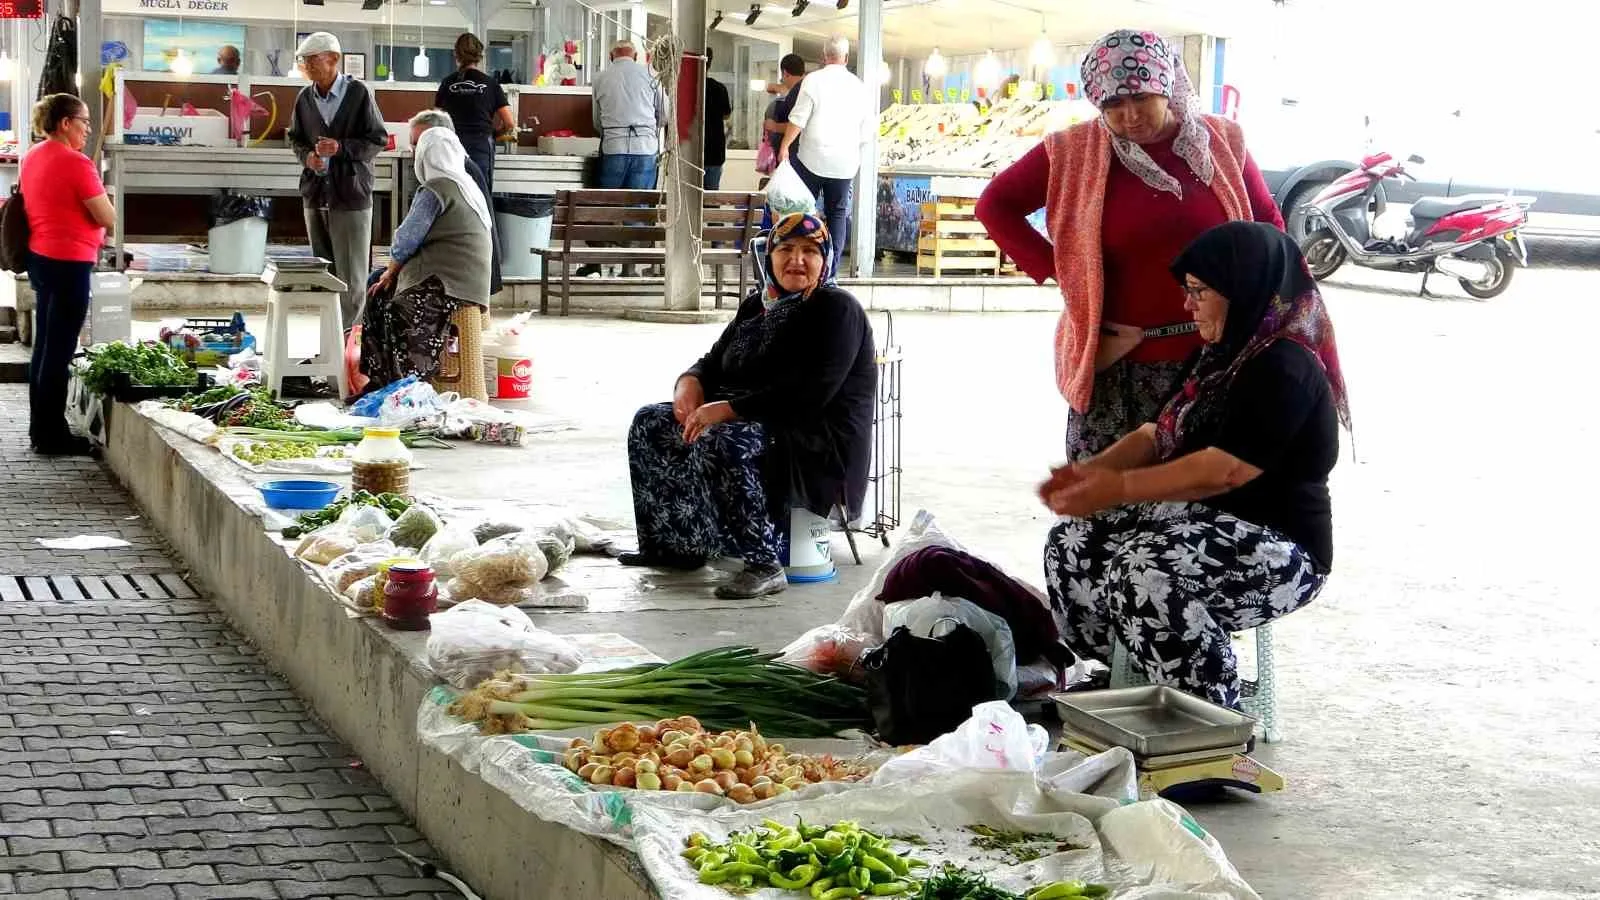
{"x":419,"y":66}
{"x":758,"y":85}
{"x":1043,"y":52}
{"x":800,"y":7}
{"x":716,"y":21}
{"x":183,"y":64}
{"x":883,"y":71}
{"x":986,"y":74}
{"x":437,"y":2}
{"x":936,"y":66}
{"x":755,"y":13}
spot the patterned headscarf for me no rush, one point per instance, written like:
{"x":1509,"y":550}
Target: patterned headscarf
{"x":793,"y":227}
{"x":1271,"y":297}
{"x":1139,"y":62}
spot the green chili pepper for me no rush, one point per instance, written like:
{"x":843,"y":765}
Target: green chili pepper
{"x":894,"y":861}
{"x":828,"y":846}
{"x":1096,"y":890}
{"x":794,"y":881}
{"x":890,"y":888}
{"x":861,"y":878}
{"x":735,"y":869}
{"x":842,"y":863}
{"x":876,"y":865}
{"x":748,"y":854}
{"x":820,"y":887}
{"x":841,"y":893}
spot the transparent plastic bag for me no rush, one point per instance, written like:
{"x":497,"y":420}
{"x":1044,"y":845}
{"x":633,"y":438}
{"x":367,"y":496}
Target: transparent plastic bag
{"x":829,"y":650}
{"x":365,"y":594}
{"x":471,"y":641}
{"x":326,"y":544}
{"x":933,"y":616}
{"x":359,"y":563}
{"x":495,"y":569}
{"x":367,"y":523}
{"x":557,"y":544}
{"x":453,"y":539}
{"x":787,"y":193}
{"x":415,"y":527}
{"x":994,"y":737}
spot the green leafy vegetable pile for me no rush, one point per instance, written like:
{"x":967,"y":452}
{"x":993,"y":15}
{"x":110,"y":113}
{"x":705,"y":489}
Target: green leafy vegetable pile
{"x":144,"y":364}
{"x":393,"y":504}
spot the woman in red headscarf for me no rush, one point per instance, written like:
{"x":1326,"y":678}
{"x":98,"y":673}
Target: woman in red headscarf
{"x":1123,"y":194}
{"x":1214,"y":516}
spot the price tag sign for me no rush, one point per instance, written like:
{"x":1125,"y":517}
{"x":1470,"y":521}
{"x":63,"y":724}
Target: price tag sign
{"x":901,"y":133}
{"x":1011,"y":89}
{"x":952,"y":95}
{"x":966,"y":96}
{"x":916,"y":95}
{"x":1050,"y":89}
{"x":895,"y":95}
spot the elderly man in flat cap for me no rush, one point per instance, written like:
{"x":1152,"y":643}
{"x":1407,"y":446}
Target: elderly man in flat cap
{"x":336,"y":131}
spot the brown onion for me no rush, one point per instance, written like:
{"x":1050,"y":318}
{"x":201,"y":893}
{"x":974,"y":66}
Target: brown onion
{"x":742,"y":793}
{"x":707,"y":786}
{"x":624,"y":778}
{"x":648,"y":781}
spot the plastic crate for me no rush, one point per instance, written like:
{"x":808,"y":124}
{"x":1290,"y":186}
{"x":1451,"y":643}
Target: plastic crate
{"x":124,"y":391}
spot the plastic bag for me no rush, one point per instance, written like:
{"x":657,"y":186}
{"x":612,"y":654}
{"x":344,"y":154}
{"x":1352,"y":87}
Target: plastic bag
{"x":443,"y":547}
{"x":414,"y":403}
{"x":228,"y":207}
{"x":475,"y":639}
{"x":415,"y":527}
{"x":766,"y":158}
{"x":995,"y":737}
{"x":325,"y":545}
{"x":369,"y":405}
{"x":557,"y":544}
{"x":787,"y":193}
{"x":829,"y":650}
{"x":359,"y":563}
{"x":366,"y":523}
{"x":365,"y":594}
{"x":497,"y":569}
{"x":864,"y":615}
{"x":489,"y":529}
{"x":931,"y":616}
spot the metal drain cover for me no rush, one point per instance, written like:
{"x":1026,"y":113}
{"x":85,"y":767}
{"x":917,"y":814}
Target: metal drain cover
{"x":58,"y":588}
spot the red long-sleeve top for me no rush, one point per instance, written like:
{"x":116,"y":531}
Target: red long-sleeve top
{"x":1142,"y":232}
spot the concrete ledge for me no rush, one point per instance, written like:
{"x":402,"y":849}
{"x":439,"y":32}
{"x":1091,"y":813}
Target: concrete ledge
{"x":358,"y":676}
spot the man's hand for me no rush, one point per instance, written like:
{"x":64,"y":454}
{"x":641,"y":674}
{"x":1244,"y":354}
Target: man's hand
{"x":1088,"y":491}
{"x":327,"y":147}
{"x":706,"y":416}
{"x":315,"y":163}
{"x":688,"y":396}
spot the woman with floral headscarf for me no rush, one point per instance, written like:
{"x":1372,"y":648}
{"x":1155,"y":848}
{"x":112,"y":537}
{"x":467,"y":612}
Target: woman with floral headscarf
{"x":779,"y":412}
{"x":1122,"y":195}
{"x":1214,"y":516}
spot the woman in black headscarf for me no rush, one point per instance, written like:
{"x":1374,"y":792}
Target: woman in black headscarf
{"x":1215,"y":517}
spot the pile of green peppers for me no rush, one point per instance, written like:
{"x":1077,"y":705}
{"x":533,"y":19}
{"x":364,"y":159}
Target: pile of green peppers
{"x":834,"y":862}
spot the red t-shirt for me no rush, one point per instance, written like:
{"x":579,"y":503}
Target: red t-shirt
{"x":56,"y":179}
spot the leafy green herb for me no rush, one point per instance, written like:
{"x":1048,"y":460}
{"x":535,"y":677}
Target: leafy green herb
{"x":1018,"y":846}
{"x":144,"y":364}
{"x":393,"y":504}
{"x":955,"y":883}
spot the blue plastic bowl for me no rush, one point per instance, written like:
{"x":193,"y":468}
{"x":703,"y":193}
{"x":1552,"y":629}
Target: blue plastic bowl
{"x":299,"y":494}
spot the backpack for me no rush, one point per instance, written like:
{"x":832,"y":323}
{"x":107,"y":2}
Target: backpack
{"x":14,"y":234}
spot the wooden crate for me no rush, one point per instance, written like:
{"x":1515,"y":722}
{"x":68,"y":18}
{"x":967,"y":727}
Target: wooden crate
{"x":951,"y":239}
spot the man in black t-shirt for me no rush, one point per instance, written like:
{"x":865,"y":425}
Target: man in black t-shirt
{"x":476,"y":103}
{"x":718,"y":110}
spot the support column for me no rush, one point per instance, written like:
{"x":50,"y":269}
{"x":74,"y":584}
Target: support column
{"x":683,"y":161}
{"x":89,"y":69}
{"x":864,"y":218}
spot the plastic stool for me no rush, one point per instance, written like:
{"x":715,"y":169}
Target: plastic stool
{"x":461,"y":370}
{"x":1259,"y":698}
{"x":316,"y":289}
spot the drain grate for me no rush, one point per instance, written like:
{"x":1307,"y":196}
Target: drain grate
{"x":56,"y":588}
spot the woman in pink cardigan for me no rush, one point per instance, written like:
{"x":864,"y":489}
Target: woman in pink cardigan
{"x":1123,"y":195}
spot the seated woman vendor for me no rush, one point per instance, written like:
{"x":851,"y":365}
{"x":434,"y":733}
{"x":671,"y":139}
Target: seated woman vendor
{"x":1215,"y":517}
{"x":778,"y":412}
{"x":439,"y":261}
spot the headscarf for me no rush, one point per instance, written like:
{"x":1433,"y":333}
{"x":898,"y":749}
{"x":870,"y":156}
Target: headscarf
{"x":1271,"y":297}
{"x":440,"y":155}
{"x":1139,"y":62}
{"x":792,"y":227}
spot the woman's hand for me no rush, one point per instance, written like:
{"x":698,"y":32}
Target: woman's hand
{"x":687,"y":396}
{"x":384,"y":282}
{"x":1084,"y":491}
{"x":1061,"y":477}
{"x":706,"y":416}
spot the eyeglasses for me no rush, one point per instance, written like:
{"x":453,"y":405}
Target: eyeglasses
{"x":84,"y":119}
{"x":1194,"y":291}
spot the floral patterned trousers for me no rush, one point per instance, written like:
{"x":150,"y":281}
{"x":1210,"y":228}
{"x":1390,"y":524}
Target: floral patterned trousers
{"x":1172,"y":582}
{"x":700,"y":499}
{"x":1126,"y":396}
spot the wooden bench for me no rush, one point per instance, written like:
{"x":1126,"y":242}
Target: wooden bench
{"x":631,"y":229}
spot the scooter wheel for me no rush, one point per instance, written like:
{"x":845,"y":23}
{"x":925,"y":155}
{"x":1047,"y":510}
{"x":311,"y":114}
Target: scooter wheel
{"x":1496,"y":282}
{"x":1323,"y":252}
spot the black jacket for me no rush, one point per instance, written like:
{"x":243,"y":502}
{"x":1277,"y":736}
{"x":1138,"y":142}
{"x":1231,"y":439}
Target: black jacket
{"x":807,"y":372}
{"x":358,"y":127}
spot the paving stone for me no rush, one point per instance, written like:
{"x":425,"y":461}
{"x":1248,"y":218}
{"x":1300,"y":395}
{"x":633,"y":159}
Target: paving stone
{"x":254,"y":890}
{"x":103,"y":879}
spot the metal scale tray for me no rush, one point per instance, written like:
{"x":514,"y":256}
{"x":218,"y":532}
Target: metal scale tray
{"x":1153,"y":720}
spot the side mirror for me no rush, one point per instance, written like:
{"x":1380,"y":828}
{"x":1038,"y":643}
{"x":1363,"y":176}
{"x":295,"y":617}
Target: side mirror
{"x":1413,"y":158}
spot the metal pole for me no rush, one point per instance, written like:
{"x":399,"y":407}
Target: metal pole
{"x":864,"y":218}
{"x":684,"y":160}
{"x":89,"y":69}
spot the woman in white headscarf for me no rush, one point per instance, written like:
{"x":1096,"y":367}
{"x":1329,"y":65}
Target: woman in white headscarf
{"x":440,"y":259}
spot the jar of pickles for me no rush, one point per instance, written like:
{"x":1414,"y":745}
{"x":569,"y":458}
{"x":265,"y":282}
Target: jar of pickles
{"x":381,"y":464}
{"x":409,"y":595}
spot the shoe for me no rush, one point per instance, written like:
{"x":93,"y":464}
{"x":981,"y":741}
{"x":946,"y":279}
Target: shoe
{"x":753,"y":582}
{"x":679,"y":561}
{"x":71,"y":445}
{"x":589,"y":271}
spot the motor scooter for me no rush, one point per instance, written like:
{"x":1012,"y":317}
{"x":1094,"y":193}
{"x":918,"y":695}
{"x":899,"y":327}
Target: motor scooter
{"x":1472,"y":238}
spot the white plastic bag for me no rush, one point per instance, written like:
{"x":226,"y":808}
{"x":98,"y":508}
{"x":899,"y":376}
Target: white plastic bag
{"x":454,"y":538}
{"x":829,"y":650}
{"x":366,"y":523}
{"x":414,"y":403}
{"x":326,"y":544}
{"x":787,"y":193}
{"x":500,"y":570}
{"x":473,"y":640}
{"x":938,"y":615}
{"x":360,"y":563}
{"x":864,"y":615}
{"x":995,"y":737}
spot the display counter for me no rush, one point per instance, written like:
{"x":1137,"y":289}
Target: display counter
{"x":903,"y":190}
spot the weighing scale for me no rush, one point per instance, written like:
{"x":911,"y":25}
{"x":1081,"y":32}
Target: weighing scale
{"x":1176,"y":739}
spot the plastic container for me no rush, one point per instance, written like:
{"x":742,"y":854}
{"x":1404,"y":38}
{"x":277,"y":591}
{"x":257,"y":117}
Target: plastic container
{"x":380,"y":463}
{"x":508,"y":368}
{"x":309,"y":494}
{"x":810,"y":551}
{"x":238,"y":248}
{"x":524,"y":225}
{"x":409,"y":596}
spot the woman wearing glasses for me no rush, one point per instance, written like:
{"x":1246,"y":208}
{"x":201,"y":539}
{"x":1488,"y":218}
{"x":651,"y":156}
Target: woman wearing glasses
{"x":68,"y":214}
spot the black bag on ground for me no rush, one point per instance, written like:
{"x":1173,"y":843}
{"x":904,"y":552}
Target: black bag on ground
{"x":14,"y":234}
{"x":919,"y":688}
{"x":228,"y":207}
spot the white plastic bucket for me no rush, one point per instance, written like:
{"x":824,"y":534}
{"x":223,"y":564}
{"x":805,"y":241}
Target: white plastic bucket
{"x":508,"y":370}
{"x":810,"y":547}
{"x":238,"y":248}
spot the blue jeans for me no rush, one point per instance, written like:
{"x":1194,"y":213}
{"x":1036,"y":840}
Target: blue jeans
{"x":713,"y":179}
{"x":628,"y":171}
{"x":61,"y":301}
{"x":833,"y":202}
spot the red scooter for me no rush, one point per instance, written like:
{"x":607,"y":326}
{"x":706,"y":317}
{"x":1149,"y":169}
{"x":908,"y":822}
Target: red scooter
{"x":1471,"y":238}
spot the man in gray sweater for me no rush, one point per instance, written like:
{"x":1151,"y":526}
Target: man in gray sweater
{"x":336,"y":131}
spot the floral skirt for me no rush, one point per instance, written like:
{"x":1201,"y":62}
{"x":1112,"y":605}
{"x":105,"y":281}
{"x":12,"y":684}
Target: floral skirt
{"x":404,"y":334}
{"x":701,"y":499}
{"x":1172,"y":582}
{"x":1126,"y":396}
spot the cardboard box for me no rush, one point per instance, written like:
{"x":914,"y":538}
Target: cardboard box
{"x":569,"y":146}
{"x":208,"y":129}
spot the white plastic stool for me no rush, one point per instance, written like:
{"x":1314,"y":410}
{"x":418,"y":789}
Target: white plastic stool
{"x":317,"y":289}
{"x":1259,"y":698}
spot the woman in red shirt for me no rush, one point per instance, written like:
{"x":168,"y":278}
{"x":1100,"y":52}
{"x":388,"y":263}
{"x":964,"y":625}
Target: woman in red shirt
{"x":1123,"y":195}
{"x":68,"y":214}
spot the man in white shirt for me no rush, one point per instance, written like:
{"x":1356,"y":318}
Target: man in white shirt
{"x":830,"y":120}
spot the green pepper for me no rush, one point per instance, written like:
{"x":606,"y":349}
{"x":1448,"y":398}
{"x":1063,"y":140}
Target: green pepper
{"x":787,"y":842}
{"x":828,"y":846}
{"x":748,"y":854}
{"x":820,"y":887}
{"x":795,"y":880}
{"x":893,"y":860}
{"x":1057,"y":890}
{"x":861,"y":878}
{"x":713,"y":875}
{"x":745,"y":881}
{"x":841,"y":893}
{"x":878,"y":867}
{"x":711,"y":860}
{"x":890,"y":888}
{"x":842,"y":863}
{"x":735,"y":869}
{"x":1096,"y":890}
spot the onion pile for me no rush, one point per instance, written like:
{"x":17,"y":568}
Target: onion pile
{"x":679,"y":755}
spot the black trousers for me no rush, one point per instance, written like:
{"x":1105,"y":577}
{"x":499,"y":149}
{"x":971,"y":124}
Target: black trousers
{"x":61,"y":302}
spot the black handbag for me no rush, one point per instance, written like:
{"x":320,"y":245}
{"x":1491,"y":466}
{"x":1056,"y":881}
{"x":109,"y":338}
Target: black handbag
{"x":14,"y":233}
{"x":921,"y":687}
